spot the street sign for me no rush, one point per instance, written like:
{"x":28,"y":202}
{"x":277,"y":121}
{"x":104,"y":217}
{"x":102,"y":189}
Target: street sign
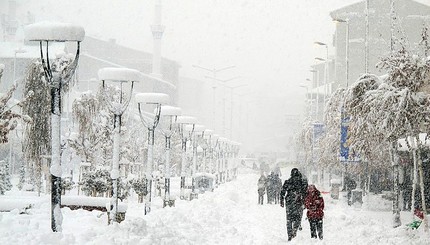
{"x":344,"y":148}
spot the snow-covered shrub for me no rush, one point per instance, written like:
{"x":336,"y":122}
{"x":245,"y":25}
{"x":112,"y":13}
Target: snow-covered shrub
{"x":66,"y":184}
{"x":139,"y":186}
{"x":96,"y":183}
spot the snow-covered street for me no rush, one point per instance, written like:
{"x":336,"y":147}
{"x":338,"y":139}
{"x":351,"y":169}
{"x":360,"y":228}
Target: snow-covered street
{"x":229,"y":215}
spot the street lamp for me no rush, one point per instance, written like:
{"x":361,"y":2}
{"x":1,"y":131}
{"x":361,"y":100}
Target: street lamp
{"x":45,"y":32}
{"x":346,"y":21}
{"x":231,"y":105}
{"x":169,"y":114}
{"x":154,"y":100}
{"x":117,"y":105}
{"x":316,"y":76}
{"x":206,"y":144}
{"x":183,"y":121}
{"x":223,"y":82}
{"x":16,"y":51}
{"x":214,"y":72}
{"x":195,"y":130}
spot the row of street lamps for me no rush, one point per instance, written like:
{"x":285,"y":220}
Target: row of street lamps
{"x":220,"y":149}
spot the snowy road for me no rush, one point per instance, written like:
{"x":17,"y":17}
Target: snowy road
{"x":229,"y":215}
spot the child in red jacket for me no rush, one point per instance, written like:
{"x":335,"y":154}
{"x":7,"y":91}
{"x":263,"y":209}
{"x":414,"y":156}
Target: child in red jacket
{"x":315,"y":205}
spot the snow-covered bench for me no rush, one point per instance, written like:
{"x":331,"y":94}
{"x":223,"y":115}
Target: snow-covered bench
{"x":22,"y":205}
{"x":93,"y":203}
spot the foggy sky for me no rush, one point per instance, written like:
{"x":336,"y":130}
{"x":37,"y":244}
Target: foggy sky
{"x":269,"y":41}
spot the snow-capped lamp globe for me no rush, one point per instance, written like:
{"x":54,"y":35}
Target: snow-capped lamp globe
{"x":118,"y":78}
{"x":152,"y":103}
{"x":168,"y":116}
{"x":182,"y":122}
{"x":46,"y":33}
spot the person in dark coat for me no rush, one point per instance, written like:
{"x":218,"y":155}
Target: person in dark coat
{"x":305,"y":188}
{"x":350,"y":185}
{"x":278,"y":187}
{"x":270,"y":187}
{"x":314,"y":203}
{"x":262,"y":182}
{"x":293,"y":193}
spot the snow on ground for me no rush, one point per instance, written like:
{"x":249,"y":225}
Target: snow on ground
{"x":229,"y":215}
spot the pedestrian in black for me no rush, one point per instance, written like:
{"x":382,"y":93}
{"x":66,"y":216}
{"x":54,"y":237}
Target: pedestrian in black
{"x":270,"y":187}
{"x":262,"y":182}
{"x":305,"y":187}
{"x":293,"y":194}
{"x":278,"y":187}
{"x":350,"y":185}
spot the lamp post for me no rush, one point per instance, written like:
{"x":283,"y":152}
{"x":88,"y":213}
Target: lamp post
{"x":346,"y":21}
{"x":215,"y":156}
{"x":231,"y":105}
{"x":119,"y":76}
{"x":326,"y":71}
{"x":44,"y":33}
{"x":214,"y":72}
{"x":16,"y":51}
{"x":195,"y":131}
{"x":308,"y":101}
{"x":154,"y":100}
{"x":316,"y":76}
{"x":169,"y":114}
{"x":182,"y":121}
{"x":222,"y":158}
{"x":223,"y":82}
{"x":206,"y":144}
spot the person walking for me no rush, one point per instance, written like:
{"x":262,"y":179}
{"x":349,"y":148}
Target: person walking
{"x":262,"y":182}
{"x":305,"y":189}
{"x":314,"y":203}
{"x":293,"y":195}
{"x":278,"y":187}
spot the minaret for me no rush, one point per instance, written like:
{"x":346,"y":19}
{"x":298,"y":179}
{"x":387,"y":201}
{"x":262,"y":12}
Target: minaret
{"x":157,"y":33}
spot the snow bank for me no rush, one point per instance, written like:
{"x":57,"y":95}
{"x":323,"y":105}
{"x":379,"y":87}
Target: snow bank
{"x":54,"y":31}
{"x":152,"y":98}
{"x":120,"y":74}
{"x":101,"y":202}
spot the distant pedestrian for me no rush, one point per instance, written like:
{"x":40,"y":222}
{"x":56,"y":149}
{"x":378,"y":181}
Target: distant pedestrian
{"x":270,"y":187}
{"x":314,"y":203}
{"x":262,"y":181}
{"x":278,"y":187}
{"x":294,"y":195}
{"x":350,"y":185}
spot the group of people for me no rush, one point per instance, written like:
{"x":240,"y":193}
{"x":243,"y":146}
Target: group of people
{"x":270,"y":185}
{"x":296,"y":195}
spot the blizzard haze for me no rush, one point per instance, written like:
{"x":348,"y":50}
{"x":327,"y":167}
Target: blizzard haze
{"x":269,"y":42}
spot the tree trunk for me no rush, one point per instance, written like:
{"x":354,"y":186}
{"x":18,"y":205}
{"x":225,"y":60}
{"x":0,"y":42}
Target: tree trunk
{"x":396,"y":209}
{"x":414,"y":181}
{"x":423,"y":200}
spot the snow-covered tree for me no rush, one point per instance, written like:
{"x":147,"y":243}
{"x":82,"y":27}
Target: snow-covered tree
{"x":9,"y":118}
{"x":37,"y":135}
{"x":389,"y":108}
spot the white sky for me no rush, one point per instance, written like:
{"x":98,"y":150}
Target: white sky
{"x":269,"y":41}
